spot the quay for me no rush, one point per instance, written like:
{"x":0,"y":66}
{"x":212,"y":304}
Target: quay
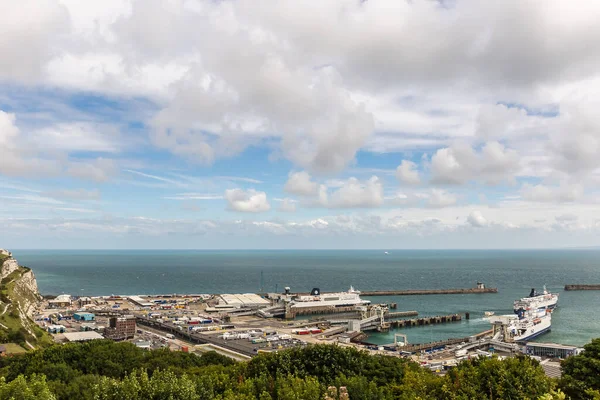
{"x":582,"y":287}
{"x":418,"y":292}
{"x":479,"y":289}
{"x":403,"y":323}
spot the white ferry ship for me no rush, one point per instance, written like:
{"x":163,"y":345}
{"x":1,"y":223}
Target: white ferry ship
{"x":522,"y":327}
{"x":536,"y":301}
{"x":318,"y":299}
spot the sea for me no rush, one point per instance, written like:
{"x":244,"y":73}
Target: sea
{"x":513,"y":272}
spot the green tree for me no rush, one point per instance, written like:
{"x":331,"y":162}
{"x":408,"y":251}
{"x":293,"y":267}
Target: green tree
{"x":513,"y":378}
{"x":34,"y":388}
{"x":294,"y":388}
{"x":581,"y":373}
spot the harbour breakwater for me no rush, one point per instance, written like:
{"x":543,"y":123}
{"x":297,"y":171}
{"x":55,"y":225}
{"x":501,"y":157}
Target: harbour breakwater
{"x":418,"y":292}
{"x":582,"y":287}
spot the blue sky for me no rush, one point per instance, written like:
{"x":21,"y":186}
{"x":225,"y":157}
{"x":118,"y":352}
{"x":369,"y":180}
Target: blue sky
{"x":195,"y":124}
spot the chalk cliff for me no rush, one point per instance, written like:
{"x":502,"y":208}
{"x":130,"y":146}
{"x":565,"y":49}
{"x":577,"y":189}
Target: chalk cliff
{"x":19,"y":299}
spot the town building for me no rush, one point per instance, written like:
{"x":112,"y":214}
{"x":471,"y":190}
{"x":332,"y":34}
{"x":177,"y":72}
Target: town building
{"x":121,"y":328}
{"x":82,"y":336}
{"x":552,"y":350}
{"x":84,"y":316}
{"x":61,"y":301}
{"x":56,"y":328}
{"x":138,"y":301}
{"x":84,"y":301}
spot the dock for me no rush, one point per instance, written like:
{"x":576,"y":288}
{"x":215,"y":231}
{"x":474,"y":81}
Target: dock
{"x":441,"y":319}
{"x":419,"y":292}
{"x":582,"y":287}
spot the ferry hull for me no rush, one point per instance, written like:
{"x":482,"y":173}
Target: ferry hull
{"x":533,"y":336}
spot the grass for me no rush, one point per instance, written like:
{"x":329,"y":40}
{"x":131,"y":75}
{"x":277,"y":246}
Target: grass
{"x":11,"y":318}
{"x":3,"y":257}
{"x":13,"y":348}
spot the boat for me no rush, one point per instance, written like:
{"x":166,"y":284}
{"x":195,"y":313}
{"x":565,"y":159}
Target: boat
{"x":317,"y":299}
{"x":522,"y":327}
{"x":488,"y":313}
{"x":543,"y":301}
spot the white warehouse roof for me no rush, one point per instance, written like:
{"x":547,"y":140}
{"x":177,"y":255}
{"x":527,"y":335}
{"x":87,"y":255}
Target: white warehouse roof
{"x":243,"y":300}
{"x":82,"y":336}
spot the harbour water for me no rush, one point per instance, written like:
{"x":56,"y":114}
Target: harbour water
{"x":514,"y":273}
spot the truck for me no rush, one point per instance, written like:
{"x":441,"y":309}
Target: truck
{"x":460,"y":353}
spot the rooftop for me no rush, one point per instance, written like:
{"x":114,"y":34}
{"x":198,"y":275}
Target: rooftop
{"x":82,"y":336}
{"x":551,"y":345}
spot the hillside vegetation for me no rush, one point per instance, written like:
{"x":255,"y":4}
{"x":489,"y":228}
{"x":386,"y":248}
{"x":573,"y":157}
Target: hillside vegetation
{"x":18,"y":298}
{"x":106,"y":370}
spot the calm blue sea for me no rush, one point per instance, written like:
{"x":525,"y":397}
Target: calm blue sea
{"x":514,"y":273}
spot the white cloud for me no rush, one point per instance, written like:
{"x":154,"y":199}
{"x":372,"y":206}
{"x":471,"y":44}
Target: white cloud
{"x":543,"y":193}
{"x":476,"y":219}
{"x":356,"y":194}
{"x":25,"y":50}
{"x":300,"y":183}
{"x":407,"y":173}
{"x":566,"y":218}
{"x":460,"y":164}
{"x":98,"y":170}
{"x":287,"y":205}
{"x":441,"y":198}
{"x":73,"y":194}
{"x":247,"y":200}
{"x":194,"y":196}
{"x":77,"y":136}
{"x":8,"y":130}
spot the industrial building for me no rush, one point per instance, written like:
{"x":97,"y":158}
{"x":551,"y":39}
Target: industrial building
{"x":56,"y":328}
{"x":82,"y":336}
{"x":247,"y":300}
{"x":552,"y":350}
{"x":138,"y":301}
{"x":84,"y":301}
{"x":121,"y":328}
{"x":61,"y":301}
{"x":84,"y":316}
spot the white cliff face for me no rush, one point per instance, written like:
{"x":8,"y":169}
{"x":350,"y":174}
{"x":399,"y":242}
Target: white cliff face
{"x":8,"y":266}
{"x":27,"y":287}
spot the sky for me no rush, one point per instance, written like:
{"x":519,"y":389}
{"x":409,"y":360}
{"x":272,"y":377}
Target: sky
{"x":340,"y":124}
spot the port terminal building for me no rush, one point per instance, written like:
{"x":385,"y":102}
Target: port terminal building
{"x":84,"y":316}
{"x":552,"y":350}
{"x":247,"y":300}
{"x":138,"y":301}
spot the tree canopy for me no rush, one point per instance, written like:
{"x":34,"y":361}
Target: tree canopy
{"x":106,"y":370}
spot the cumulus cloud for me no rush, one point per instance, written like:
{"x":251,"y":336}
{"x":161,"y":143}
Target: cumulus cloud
{"x":543,"y":193}
{"x":250,"y":200}
{"x":407,"y":173}
{"x":440,"y":198}
{"x":566,"y":218}
{"x":356,"y":194}
{"x":300,"y":183}
{"x":26,"y":51}
{"x":460,"y":164}
{"x":476,"y":219}
{"x":287,"y":205}
{"x":8,"y":129}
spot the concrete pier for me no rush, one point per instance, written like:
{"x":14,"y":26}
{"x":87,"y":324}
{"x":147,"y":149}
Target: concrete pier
{"x":582,"y":287}
{"x":426,"y":321}
{"x":418,"y":292}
